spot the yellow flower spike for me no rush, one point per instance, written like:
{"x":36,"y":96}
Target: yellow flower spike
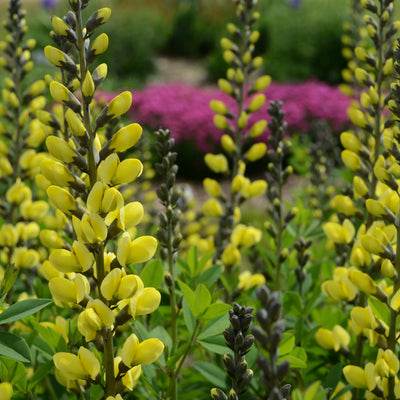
{"x":83,"y":255}
{"x":344,"y":205}
{"x":103,"y":311}
{"x":61,"y":199}
{"x":388,"y":67}
{"x":219,"y":107}
{"x":62,"y":95}
{"x":216,"y":162}
{"x":212,"y":187}
{"x":339,"y":233}
{"x":258,"y":128}
{"x":89,"y":323}
{"x":147,"y":302}
{"x":350,"y":142}
{"x":250,"y":236}
{"x":359,"y":256}
{"x":100,"y":44}
{"x":118,"y":396}
{"x":363,"y":317}
{"x":361,"y":53}
{"x":256,"y":102}
{"x":131,"y":378}
{"x":130,"y":286}
{"x":88,"y":87}
{"x":70,"y":366}
{"x":256,"y":188}
{"x":92,"y":229}
{"x":373,"y":94}
{"x":126,"y":137}
{"x":341,"y":337}
{"x":56,"y":172}
{"x":6,"y":391}
{"x":56,"y":57}
{"x":140,"y":250}
{"x":75,"y":123}
{"x":395,"y":301}
{"x":50,"y":239}
{"x":95,"y":197}
{"x":212,"y":208}
{"x":89,"y":362}
{"x":359,"y":187}
{"x":231,"y":255}
{"x":221,"y":122}
{"x":110,"y":284}
{"x":256,"y":151}
{"x":375,"y":208}
{"x":18,"y":193}
{"x":67,"y":293}
{"x":355,"y":376}
{"x":60,"y":26}
{"x":8,"y":235}
{"x":64,"y":261}
{"x":262,"y":83}
{"x":242,"y":120}
{"x":357,"y":117}
{"x":325,"y":338}
{"x":127,"y":171}
{"x":225,"y":86}
{"x":351,"y":160}
{"x":112,"y":200}
{"x":362,"y":281}
{"x":372,"y":244}
{"x":120,"y":104}
{"x":387,"y":268}
{"x":239,"y":183}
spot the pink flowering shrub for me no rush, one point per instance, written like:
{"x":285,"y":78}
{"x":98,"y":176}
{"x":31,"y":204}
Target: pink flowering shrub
{"x":185,"y":109}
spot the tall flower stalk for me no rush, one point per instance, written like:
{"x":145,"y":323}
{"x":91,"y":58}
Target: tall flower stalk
{"x":83,"y":179}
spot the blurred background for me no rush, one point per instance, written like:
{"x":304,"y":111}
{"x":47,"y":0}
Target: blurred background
{"x":156,"y":40}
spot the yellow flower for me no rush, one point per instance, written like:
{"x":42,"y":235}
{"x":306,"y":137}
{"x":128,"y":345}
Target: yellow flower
{"x":67,"y":293}
{"x":90,"y":229}
{"x":350,"y":142}
{"x":100,"y":44}
{"x":339,"y":233}
{"x":212,"y":208}
{"x":79,"y":259}
{"x":144,"y":353}
{"x":81,"y":366}
{"x":6,"y":391}
{"x":256,"y":151}
{"x":126,"y":137}
{"x":113,"y":171}
{"x":362,"y":281}
{"x":117,"y":284}
{"x":351,"y":160}
{"x":256,"y":102}
{"x":227,"y":143}
{"x":361,"y":378}
{"x":258,"y":128}
{"x":231,"y":255}
{"x":344,"y":205}
{"x":216,"y":162}
{"x":146,"y":302}
{"x":364,"y":317}
{"x":387,"y":363}
{"x":247,"y":280}
{"x":139,"y":250}
{"x":212,"y":187}
{"x":61,"y":199}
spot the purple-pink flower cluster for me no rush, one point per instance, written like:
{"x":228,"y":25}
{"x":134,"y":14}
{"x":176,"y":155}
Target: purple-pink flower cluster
{"x":186,"y":112}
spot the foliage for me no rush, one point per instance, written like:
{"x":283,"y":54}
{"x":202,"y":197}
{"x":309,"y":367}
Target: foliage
{"x":94,"y":307}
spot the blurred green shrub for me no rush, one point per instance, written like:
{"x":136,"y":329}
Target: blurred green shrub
{"x":303,"y":42}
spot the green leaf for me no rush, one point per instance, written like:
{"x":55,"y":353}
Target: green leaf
{"x":292,"y":303}
{"x":96,"y":392}
{"x":159,"y":332}
{"x":216,"y":310}
{"x":188,"y":317}
{"x":141,"y":330}
{"x":380,"y":310}
{"x":188,"y":294}
{"x":192,"y":259}
{"x":215,"y":375}
{"x":215,"y":344}
{"x":333,"y":377}
{"x":183,"y":265}
{"x":210,"y":275}
{"x":297,"y":358}
{"x":341,"y":392}
{"x":14,"y":347}
{"x":23,"y":309}
{"x":14,"y":372}
{"x":41,"y":373}
{"x":311,"y":391}
{"x":287,"y":344}
{"x":214,"y":327}
{"x":200,"y":265}
{"x":153,"y":274}
{"x":51,"y":337}
{"x":202,"y":300}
